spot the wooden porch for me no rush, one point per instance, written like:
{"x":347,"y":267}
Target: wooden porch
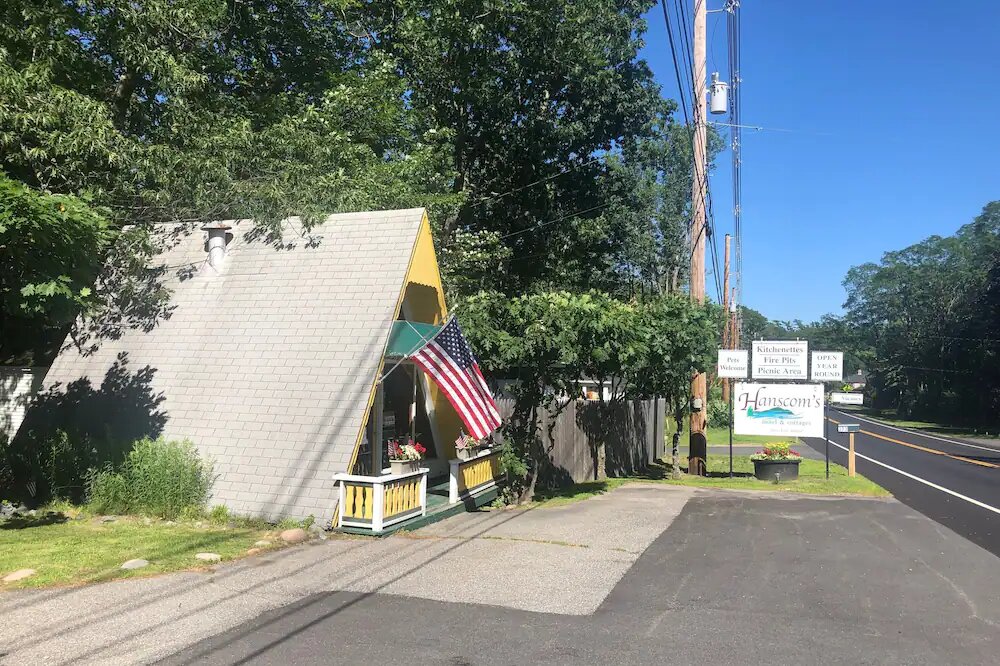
{"x":384,"y":504}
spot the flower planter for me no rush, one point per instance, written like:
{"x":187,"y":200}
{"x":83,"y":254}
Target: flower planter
{"x":776,"y":470}
{"x":404,"y":466}
{"x":467,"y":454}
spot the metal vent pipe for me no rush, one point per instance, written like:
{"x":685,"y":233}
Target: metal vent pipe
{"x":216,"y":244}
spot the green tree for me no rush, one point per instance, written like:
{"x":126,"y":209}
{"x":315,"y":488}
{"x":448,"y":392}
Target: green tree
{"x":547,"y":342}
{"x":925,"y":322}
{"x":197,"y":110}
{"x":50,"y":250}
{"x":534,"y":96}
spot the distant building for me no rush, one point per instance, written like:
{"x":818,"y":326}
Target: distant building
{"x":857,"y":380}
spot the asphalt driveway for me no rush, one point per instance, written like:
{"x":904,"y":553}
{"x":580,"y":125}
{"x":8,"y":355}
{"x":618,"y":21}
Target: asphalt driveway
{"x":736,"y":579}
{"x":643,"y":574}
{"x":561,"y":560}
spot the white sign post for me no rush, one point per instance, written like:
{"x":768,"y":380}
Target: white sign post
{"x":827,"y":366}
{"x":778,"y":410}
{"x":732,"y":364}
{"x":780,"y":359}
{"x":847,"y":398}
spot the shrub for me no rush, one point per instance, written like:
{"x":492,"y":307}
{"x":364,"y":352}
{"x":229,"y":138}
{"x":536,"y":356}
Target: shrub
{"x":291,"y":523}
{"x":50,"y":465}
{"x":719,"y":415}
{"x":158,"y":477}
{"x":219,"y":515}
{"x":191,"y":513}
{"x":107,"y":491}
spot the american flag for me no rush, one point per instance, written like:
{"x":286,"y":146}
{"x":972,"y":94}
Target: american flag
{"x":448,"y":359}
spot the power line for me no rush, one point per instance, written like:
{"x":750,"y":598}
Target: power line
{"x":943,"y":370}
{"x":673,"y":56}
{"x":703,"y":190}
{"x":760,"y":128}
{"x":546,"y":179}
{"x":539,"y":225}
{"x":733,"y":37}
{"x":924,"y":336}
{"x":683,"y":16}
{"x":558,"y":219}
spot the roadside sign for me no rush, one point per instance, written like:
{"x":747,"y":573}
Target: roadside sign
{"x":847,"y":398}
{"x":781,"y":410}
{"x":848,"y":427}
{"x":780,"y":359}
{"x":733,"y":364}
{"x":827,"y":366}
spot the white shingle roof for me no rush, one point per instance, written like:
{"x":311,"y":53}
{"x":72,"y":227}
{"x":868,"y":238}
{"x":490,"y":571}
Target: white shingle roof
{"x":267,"y":365}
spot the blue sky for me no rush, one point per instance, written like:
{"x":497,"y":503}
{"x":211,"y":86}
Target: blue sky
{"x":896,"y":106}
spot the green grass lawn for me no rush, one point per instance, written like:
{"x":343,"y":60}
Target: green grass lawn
{"x":925,"y":426}
{"x":812,"y":480}
{"x":720,"y":437}
{"x":66,"y":551}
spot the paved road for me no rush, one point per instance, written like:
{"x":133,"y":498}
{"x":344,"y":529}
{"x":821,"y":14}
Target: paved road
{"x":738,"y":578}
{"x":953,"y":482}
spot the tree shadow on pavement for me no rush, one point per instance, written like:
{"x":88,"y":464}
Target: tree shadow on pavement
{"x":343,"y":582}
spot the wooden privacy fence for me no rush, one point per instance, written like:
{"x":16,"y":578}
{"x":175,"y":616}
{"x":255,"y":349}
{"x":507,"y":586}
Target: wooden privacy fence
{"x":590,"y":441}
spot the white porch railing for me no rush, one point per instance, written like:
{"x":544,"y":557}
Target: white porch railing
{"x":378,"y":502}
{"x":473,"y":477}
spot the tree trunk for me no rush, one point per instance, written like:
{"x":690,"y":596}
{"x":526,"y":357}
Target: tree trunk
{"x":123,"y":95}
{"x":528,"y":492}
{"x":675,"y":469}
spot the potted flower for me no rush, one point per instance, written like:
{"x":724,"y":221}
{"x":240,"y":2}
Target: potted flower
{"x":467,"y":447}
{"x":776,"y":462}
{"x":405,"y":455}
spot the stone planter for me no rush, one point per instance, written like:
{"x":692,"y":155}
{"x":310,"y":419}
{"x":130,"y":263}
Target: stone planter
{"x":404,"y":466}
{"x":467,"y":454}
{"x":776,"y":470}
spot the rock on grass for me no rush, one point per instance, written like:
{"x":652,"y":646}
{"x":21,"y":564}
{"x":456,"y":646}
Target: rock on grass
{"x":296,"y":535}
{"x":135,"y":564}
{"x":20,"y":574}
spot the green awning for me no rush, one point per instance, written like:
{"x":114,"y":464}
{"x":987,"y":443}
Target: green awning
{"x":407,"y":337}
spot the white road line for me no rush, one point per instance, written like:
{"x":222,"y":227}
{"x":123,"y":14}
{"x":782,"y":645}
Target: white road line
{"x":923,"y":481}
{"x":916,"y":432}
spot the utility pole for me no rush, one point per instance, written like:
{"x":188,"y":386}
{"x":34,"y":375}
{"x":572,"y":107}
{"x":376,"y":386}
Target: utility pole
{"x":734,"y":322}
{"x":734,"y":332}
{"x":698,"y":443}
{"x":726,"y":339}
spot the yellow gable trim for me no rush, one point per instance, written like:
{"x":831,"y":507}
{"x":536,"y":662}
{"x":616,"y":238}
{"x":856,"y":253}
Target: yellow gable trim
{"x":424,"y":268}
{"x":421,"y":269}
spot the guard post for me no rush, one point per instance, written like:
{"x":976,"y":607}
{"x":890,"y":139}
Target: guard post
{"x":850,"y":429}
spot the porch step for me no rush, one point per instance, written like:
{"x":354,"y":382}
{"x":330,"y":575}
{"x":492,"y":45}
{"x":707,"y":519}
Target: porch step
{"x":437,"y":509}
